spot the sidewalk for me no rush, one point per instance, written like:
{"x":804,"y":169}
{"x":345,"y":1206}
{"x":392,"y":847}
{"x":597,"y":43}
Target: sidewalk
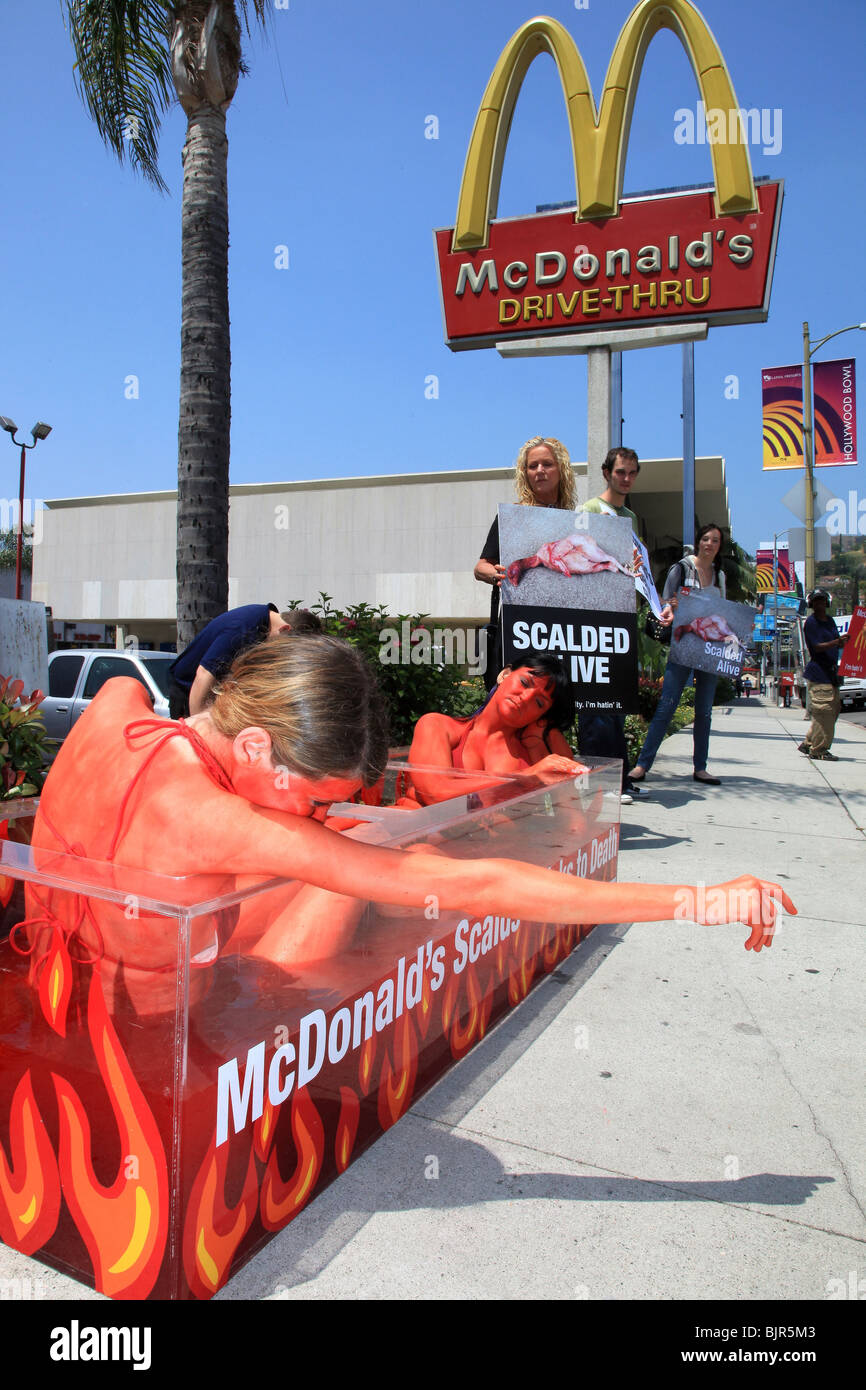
{"x":667,"y":1116}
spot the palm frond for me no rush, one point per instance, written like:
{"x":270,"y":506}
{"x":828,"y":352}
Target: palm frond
{"x":123,"y":74}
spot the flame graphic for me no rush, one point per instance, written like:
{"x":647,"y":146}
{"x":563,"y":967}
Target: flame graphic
{"x":30,"y":1189}
{"x":124,"y":1226}
{"x":264,"y":1129}
{"x":347,"y":1127}
{"x":424,"y":1007}
{"x":213,"y":1231}
{"x":397,"y":1083}
{"x":521,"y":976}
{"x":365,"y":1063}
{"x":480,"y":1003}
{"x":280,"y":1200}
{"x":55,"y":982}
{"x":7,"y":885}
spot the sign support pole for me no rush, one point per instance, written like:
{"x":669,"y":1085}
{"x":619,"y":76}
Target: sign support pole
{"x":688,"y":444}
{"x":604,"y":383}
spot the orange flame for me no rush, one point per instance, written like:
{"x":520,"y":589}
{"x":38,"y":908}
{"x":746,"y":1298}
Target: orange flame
{"x":520,"y":977}
{"x":264,"y":1129}
{"x":213,"y":1231}
{"x":398,"y":1083}
{"x":7,"y":885}
{"x":347,"y":1127}
{"x":424,"y":1008}
{"x":30,"y":1189}
{"x":55,"y":982}
{"x":365,"y":1063}
{"x":480,"y":1004}
{"x":280,"y":1200}
{"x":124,"y":1226}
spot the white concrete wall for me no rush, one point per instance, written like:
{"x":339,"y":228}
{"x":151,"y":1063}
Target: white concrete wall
{"x":23,"y":643}
{"x":408,"y":542}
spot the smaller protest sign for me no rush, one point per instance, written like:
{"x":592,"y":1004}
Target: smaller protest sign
{"x":853,"y":662}
{"x":710,"y":633}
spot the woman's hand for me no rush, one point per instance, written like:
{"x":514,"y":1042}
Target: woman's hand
{"x":753,"y":901}
{"x":557,"y":765}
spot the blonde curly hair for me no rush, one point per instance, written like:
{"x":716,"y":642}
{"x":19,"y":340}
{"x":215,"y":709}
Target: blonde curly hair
{"x":567,"y":497}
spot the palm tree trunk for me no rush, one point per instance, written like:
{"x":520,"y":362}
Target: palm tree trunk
{"x":205,"y":373}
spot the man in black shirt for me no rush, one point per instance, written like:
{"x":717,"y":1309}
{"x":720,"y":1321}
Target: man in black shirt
{"x":823,"y":640}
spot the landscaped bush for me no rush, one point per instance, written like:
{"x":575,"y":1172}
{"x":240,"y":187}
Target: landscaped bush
{"x":724,"y":691}
{"x":414,"y":682}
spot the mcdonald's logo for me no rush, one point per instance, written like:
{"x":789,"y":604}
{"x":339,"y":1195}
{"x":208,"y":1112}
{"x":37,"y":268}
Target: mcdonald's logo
{"x":668,"y":272}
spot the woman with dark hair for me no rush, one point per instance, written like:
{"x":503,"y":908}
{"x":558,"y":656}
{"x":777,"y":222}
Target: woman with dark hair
{"x":519,"y":729}
{"x":702,"y":570}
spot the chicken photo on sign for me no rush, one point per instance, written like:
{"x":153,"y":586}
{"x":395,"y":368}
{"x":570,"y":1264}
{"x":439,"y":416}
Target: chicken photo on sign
{"x":569,"y":590}
{"x":711,"y":633}
{"x":561,"y":559}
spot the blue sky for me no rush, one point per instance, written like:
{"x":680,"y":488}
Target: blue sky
{"x":328,"y":157}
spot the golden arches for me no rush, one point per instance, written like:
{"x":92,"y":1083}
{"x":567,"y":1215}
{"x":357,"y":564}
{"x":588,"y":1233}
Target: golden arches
{"x":598,"y":139}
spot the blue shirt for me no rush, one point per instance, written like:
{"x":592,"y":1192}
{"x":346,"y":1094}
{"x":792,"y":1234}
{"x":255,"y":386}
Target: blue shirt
{"x":822,"y":667}
{"x":219,"y":642}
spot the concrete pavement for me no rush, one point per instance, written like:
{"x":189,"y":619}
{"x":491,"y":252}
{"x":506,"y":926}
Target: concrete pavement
{"x":667,"y":1116}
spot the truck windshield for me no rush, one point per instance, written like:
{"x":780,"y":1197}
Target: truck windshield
{"x":158,"y":670}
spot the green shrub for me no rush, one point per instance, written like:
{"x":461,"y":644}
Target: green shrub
{"x":412,"y":686}
{"x":725,"y":691}
{"x":23,"y":741}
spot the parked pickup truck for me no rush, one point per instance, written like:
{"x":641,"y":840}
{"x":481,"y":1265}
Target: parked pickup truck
{"x":852,"y":692}
{"x":75,"y":676}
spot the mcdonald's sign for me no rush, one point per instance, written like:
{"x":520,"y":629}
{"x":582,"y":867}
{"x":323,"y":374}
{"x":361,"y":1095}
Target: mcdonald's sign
{"x":702,"y":254}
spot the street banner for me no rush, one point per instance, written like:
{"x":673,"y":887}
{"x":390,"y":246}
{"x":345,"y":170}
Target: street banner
{"x":764,"y":562}
{"x":569,"y":589}
{"x":853,"y":661}
{"x":782,"y":406}
{"x":835,"y":412}
{"x":835,"y":415}
{"x":710,"y":633}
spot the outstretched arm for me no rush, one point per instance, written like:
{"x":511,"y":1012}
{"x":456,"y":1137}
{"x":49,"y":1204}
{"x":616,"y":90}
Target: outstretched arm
{"x":269,"y":842}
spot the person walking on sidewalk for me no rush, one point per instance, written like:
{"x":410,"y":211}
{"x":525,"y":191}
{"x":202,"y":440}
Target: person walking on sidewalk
{"x":822,"y":679}
{"x":703,"y":570}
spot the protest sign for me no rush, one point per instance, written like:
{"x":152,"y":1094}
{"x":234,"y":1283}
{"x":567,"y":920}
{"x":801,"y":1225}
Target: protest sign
{"x":853,"y":662}
{"x":569,"y":589}
{"x":710,"y":632}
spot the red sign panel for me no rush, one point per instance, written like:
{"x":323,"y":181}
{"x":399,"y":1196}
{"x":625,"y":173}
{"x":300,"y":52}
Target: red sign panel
{"x":853,"y":662}
{"x":662,"y":260}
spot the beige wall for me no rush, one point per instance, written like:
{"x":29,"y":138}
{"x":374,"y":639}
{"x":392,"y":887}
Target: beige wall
{"x":408,"y":542}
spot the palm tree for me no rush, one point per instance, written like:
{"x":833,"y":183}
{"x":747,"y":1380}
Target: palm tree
{"x":133,"y":59}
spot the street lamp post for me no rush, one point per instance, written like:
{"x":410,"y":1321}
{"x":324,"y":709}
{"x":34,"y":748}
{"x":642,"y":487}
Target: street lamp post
{"x":809,"y":350}
{"x":39,"y":431}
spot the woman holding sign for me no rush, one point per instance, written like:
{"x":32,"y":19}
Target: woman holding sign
{"x":703,"y":570}
{"x":544,"y":478}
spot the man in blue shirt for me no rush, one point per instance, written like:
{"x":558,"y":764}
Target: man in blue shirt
{"x":823,"y":640}
{"x":211,"y":653}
